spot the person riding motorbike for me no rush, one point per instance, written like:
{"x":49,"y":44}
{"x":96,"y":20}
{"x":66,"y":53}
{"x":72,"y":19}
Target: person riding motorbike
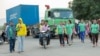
{"x":44,"y":27}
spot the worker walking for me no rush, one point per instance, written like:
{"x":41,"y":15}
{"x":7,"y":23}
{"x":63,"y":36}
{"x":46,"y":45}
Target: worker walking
{"x":21,"y":33}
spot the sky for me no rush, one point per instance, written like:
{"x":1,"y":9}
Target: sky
{"x":6,"y":4}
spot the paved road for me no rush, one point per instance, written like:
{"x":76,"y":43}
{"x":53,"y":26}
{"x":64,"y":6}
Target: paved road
{"x":32,"y":48}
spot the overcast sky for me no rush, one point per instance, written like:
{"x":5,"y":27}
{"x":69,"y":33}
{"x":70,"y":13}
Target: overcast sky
{"x":6,"y":4}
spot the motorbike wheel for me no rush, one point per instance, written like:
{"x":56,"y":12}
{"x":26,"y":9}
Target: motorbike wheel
{"x":44,"y":43}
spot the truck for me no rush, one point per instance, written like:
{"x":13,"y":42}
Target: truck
{"x":28,"y":13}
{"x":55,"y":15}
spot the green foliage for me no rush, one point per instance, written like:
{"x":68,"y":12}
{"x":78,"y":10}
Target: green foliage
{"x":86,"y":9}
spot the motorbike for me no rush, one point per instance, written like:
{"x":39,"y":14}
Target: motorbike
{"x":44,"y":39}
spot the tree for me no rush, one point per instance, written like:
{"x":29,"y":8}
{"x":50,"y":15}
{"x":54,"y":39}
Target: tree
{"x":86,"y":9}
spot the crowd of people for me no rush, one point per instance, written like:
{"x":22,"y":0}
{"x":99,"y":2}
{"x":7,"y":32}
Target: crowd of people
{"x":63,"y":30}
{"x":82,"y":29}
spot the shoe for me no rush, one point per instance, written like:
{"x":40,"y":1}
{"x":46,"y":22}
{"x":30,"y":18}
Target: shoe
{"x":41,"y":44}
{"x":63,"y":45}
{"x":5,"y":42}
{"x":67,"y":43}
{"x":48,"y":43}
{"x":10,"y":51}
{"x":19,"y":51}
{"x":94,"y":45}
{"x":13,"y":50}
{"x":70,"y":44}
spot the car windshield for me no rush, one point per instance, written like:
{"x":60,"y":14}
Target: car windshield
{"x":63,"y":14}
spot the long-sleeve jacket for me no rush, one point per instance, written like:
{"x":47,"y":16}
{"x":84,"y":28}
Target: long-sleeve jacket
{"x":21,"y":29}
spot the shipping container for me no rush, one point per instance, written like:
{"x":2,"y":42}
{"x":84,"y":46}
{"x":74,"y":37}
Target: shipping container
{"x":29,"y":14}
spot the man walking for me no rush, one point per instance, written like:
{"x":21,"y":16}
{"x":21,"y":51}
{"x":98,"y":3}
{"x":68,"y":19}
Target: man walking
{"x":11,"y":37}
{"x":21,"y":33}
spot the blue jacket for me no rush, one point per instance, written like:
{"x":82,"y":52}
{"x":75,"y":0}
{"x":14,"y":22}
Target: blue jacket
{"x":11,"y":32}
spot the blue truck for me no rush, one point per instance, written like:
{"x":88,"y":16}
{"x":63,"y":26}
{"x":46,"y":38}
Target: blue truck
{"x":29,"y":14}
